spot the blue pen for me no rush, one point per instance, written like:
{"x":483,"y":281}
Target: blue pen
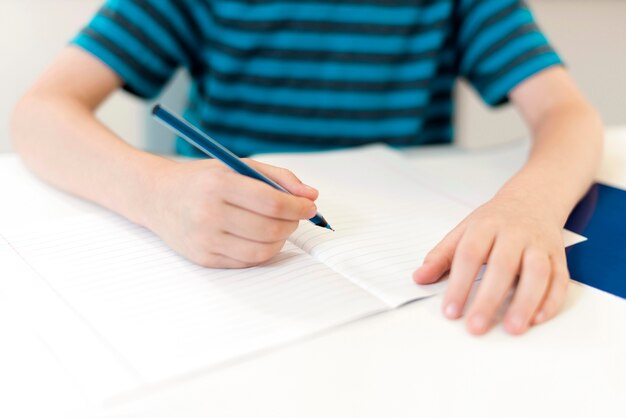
{"x":212,"y":148}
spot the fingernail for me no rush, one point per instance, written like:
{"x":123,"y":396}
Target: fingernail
{"x":452,"y":310}
{"x":309,"y":188}
{"x":516,"y":323}
{"x":478,"y":323}
{"x":312,"y":211}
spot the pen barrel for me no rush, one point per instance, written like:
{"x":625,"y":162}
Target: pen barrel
{"x":214,"y":149}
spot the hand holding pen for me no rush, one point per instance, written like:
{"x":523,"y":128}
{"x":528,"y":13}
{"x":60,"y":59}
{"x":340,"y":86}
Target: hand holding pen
{"x":221,"y":219}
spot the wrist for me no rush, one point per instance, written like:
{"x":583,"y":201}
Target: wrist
{"x":143,"y":192}
{"x":539,"y":194}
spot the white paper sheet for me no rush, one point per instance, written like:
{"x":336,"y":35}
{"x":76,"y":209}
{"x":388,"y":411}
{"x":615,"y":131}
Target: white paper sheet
{"x":156,"y":316}
{"x":385,"y":221}
{"x":164,"y":316}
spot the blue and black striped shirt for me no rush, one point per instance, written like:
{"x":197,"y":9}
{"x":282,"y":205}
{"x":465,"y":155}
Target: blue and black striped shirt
{"x":297,"y":75}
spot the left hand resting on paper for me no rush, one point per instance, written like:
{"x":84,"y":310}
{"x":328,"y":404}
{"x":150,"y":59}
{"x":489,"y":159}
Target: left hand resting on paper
{"x":520,"y":244}
{"x":518,"y":232}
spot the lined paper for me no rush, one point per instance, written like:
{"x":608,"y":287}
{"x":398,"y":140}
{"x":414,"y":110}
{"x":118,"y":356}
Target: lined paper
{"x":166,"y":316}
{"x":385,"y":221}
{"x":377,"y":253}
{"x":124,"y":310}
{"x":162,"y":316}
{"x":79,"y":350}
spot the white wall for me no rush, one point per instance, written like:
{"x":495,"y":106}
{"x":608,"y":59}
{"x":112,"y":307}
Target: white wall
{"x":590,"y":34}
{"x":31,"y":34}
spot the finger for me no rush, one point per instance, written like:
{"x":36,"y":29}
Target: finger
{"x":258,"y":197}
{"x":471,"y":253}
{"x":439,"y":259}
{"x":502,"y":268}
{"x":255,"y":227}
{"x":286,"y":179}
{"x":246,"y":251}
{"x":555,"y":295}
{"x":532,"y":286}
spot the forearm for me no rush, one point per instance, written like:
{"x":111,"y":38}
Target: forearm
{"x":60,"y":140}
{"x":566,"y":151}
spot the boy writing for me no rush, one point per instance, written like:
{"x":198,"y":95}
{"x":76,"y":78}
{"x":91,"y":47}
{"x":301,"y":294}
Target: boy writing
{"x":280,"y":75}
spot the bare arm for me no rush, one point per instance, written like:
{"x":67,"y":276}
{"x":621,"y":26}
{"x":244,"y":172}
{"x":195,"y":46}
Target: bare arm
{"x":204,"y":211}
{"x":55,"y":131}
{"x":518,"y":232}
{"x":567,"y":142}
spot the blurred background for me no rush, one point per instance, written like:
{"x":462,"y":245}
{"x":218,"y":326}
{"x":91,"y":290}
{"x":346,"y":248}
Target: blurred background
{"x":589,"y":34}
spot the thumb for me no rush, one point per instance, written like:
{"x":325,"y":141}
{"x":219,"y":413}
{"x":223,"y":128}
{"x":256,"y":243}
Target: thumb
{"x":286,"y":179}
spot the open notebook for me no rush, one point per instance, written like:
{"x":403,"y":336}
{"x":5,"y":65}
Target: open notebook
{"x":122,"y":311}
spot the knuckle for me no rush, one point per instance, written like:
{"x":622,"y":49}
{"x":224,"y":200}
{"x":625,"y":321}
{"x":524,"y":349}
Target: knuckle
{"x":306,"y":210}
{"x":469,"y":254}
{"x":536,"y":264}
{"x":248,"y":254}
{"x":504,"y":263}
{"x":256,"y":254}
{"x":210,"y":240}
{"x":487,"y":223}
{"x":292,"y":226}
{"x":289,"y":174}
{"x":275,"y":231}
{"x":215,"y":182}
{"x":283,"y":172}
{"x":264,"y":253}
{"x":207,"y":260}
{"x":518,"y":231}
{"x":273,"y":249}
{"x":275,"y":206}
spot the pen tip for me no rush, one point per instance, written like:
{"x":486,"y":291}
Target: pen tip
{"x":330,"y":227}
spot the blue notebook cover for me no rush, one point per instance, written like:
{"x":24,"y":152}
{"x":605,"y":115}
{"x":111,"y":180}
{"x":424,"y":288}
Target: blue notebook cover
{"x":600,"y":261}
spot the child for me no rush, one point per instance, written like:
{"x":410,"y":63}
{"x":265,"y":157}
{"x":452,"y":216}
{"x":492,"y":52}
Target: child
{"x":281,"y":75}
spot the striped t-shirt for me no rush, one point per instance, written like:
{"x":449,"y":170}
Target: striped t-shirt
{"x":297,"y":75}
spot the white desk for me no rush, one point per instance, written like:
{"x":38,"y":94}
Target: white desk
{"x":410,"y":362}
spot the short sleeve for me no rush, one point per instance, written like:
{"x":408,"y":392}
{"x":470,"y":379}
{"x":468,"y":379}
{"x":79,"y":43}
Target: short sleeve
{"x":500,"y":46}
{"x":143,"y":41}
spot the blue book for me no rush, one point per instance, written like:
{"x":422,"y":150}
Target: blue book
{"x":600,"y":261}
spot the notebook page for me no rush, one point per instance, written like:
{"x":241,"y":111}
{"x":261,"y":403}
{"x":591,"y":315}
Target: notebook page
{"x":385,"y":221}
{"x":166,"y":316}
{"x":27,"y":303}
